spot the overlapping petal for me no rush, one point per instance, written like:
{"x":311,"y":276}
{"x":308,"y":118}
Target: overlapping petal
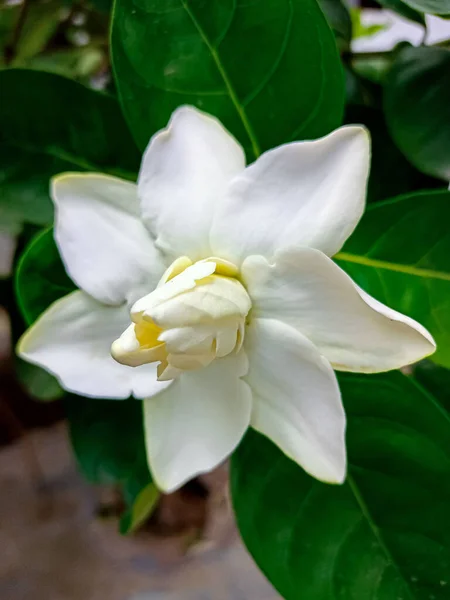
{"x":72,"y":340}
{"x":300,"y":194}
{"x":296,"y":398}
{"x":105,"y":246}
{"x":184,"y":173}
{"x":197,"y":422}
{"x":355,"y":332}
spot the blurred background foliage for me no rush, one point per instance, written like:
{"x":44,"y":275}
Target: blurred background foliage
{"x":53,"y":55}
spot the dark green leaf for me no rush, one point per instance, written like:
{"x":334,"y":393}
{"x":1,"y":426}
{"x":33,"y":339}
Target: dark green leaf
{"x":24,"y":186}
{"x":40,"y":278}
{"x":339,"y":20}
{"x":436,"y":7}
{"x":436,"y":380}
{"x":402,"y":8}
{"x":268,"y":69}
{"x":400,"y":253}
{"x":385,"y":533}
{"x":417,"y":106}
{"x":390,"y":173}
{"x":108,"y":440}
{"x":50,"y":124}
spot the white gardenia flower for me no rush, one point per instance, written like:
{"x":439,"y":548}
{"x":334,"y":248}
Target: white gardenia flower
{"x":210,"y":284}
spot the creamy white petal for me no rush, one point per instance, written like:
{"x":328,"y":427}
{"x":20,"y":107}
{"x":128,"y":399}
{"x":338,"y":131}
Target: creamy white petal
{"x":72,"y":340}
{"x":296,"y":398}
{"x":197,"y":422}
{"x":184,"y":173}
{"x":300,"y":194}
{"x":105,"y":246}
{"x":355,"y":332}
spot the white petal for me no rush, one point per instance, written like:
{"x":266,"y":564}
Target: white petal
{"x":355,"y":332}
{"x":72,"y":340}
{"x":105,"y":246}
{"x":183,"y":177}
{"x":197,"y":422}
{"x":296,"y":398}
{"x":300,"y":194}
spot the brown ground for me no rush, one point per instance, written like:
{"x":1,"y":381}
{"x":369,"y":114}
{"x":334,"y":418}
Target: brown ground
{"x":54,"y":547}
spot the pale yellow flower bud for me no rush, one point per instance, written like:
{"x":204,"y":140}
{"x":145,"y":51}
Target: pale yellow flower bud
{"x":195,"y":315}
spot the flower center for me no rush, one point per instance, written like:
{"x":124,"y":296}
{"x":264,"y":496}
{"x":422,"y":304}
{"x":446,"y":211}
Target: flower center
{"x":195,"y":315}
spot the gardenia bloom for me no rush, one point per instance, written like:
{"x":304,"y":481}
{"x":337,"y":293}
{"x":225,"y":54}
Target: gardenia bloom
{"x":207,"y":290}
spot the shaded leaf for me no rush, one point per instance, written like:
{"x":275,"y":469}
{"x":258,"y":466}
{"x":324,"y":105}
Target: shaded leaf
{"x":40,"y":278}
{"x":417,"y":107}
{"x":50,"y":124}
{"x":403,"y":9}
{"x":436,"y":7}
{"x":39,"y":384}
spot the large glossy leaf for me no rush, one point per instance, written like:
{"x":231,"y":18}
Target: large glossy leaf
{"x":40,"y":277}
{"x":417,"y":106}
{"x":50,"y":124}
{"x":400,"y":253}
{"x":437,"y":7}
{"x":385,"y":533}
{"x":268,"y":69}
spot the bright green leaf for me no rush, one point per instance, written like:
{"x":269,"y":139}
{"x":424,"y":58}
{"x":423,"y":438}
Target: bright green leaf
{"x":50,"y":124}
{"x":40,"y":278}
{"x":268,"y":69}
{"x":141,"y":509}
{"x":385,"y":533}
{"x":417,"y":106}
{"x":402,"y":8}
{"x":400,"y":253}
{"x":41,"y":21}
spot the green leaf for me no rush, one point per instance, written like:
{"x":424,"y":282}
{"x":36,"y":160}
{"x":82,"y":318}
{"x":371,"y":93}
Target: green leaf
{"x":359,"y":28}
{"x":24,"y":187}
{"x":402,"y":8}
{"x":40,"y":277}
{"x":417,"y":106}
{"x":41,"y":21}
{"x":390,"y":173}
{"x":39,"y":384}
{"x":141,"y":509}
{"x":108,"y":440}
{"x":339,"y":20}
{"x":268,"y":69}
{"x":435,"y":7}
{"x":436,"y":380}
{"x":50,"y":124}
{"x":385,"y":533}
{"x":400,"y":254}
